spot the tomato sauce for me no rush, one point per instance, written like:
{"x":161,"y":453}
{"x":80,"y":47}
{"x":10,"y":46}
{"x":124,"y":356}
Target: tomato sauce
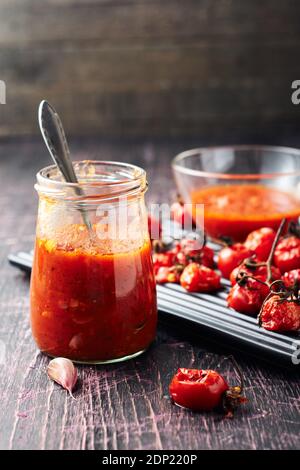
{"x":92,"y":304}
{"x":236,"y":210}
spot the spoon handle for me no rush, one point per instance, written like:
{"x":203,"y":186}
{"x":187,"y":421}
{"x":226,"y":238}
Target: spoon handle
{"x":55,"y":139}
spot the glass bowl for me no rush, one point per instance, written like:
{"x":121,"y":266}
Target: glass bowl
{"x":241,"y":188}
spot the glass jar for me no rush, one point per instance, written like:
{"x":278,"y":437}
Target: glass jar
{"x":93,"y":296}
{"x":240,"y":188}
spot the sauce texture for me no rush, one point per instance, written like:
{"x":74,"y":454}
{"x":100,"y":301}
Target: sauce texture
{"x":92,"y":304}
{"x":236,"y":210}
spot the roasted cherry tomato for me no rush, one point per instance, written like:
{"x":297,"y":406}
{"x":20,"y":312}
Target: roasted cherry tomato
{"x":204,"y":390}
{"x":181,"y":215}
{"x":248,"y":297}
{"x":291,"y":278}
{"x":167,"y":274}
{"x":198,"y":390}
{"x":163,"y":260}
{"x":287,"y":254}
{"x":197,"y":278}
{"x":278,"y":314}
{"x":259,"y":272}
{"x":193,"y":250}
{"x":260,"y":242}
{"x":207,"y":257}
{"x":176,"y":248}
{"x":231,"y":256}
{"x":182,"y":258}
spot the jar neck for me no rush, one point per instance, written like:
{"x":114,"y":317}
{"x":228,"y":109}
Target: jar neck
{"x":98,"y":182}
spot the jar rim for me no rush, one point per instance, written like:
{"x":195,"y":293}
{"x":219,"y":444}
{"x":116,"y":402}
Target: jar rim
{"x":98,"y":179}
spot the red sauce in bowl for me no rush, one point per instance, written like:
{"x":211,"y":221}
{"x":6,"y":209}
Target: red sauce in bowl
{"x":92,"y":304}
{"x":236,"y":210}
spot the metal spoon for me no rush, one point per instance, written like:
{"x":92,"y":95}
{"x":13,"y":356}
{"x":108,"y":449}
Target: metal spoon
{"x":55,"y":139}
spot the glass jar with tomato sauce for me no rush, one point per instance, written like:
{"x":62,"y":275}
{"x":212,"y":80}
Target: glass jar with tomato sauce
{"x":93,"y":296}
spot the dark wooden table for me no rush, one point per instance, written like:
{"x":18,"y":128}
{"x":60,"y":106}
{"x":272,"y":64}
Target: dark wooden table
{"x":125,"y":406}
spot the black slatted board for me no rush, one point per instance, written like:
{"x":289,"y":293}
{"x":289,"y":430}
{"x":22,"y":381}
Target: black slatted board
{"x":211,"y":311}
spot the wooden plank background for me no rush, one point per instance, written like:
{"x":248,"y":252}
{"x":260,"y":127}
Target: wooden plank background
{"x":149,"y":67}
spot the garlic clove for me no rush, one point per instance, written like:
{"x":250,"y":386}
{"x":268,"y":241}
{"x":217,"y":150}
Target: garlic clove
{"x":63,"y":371}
